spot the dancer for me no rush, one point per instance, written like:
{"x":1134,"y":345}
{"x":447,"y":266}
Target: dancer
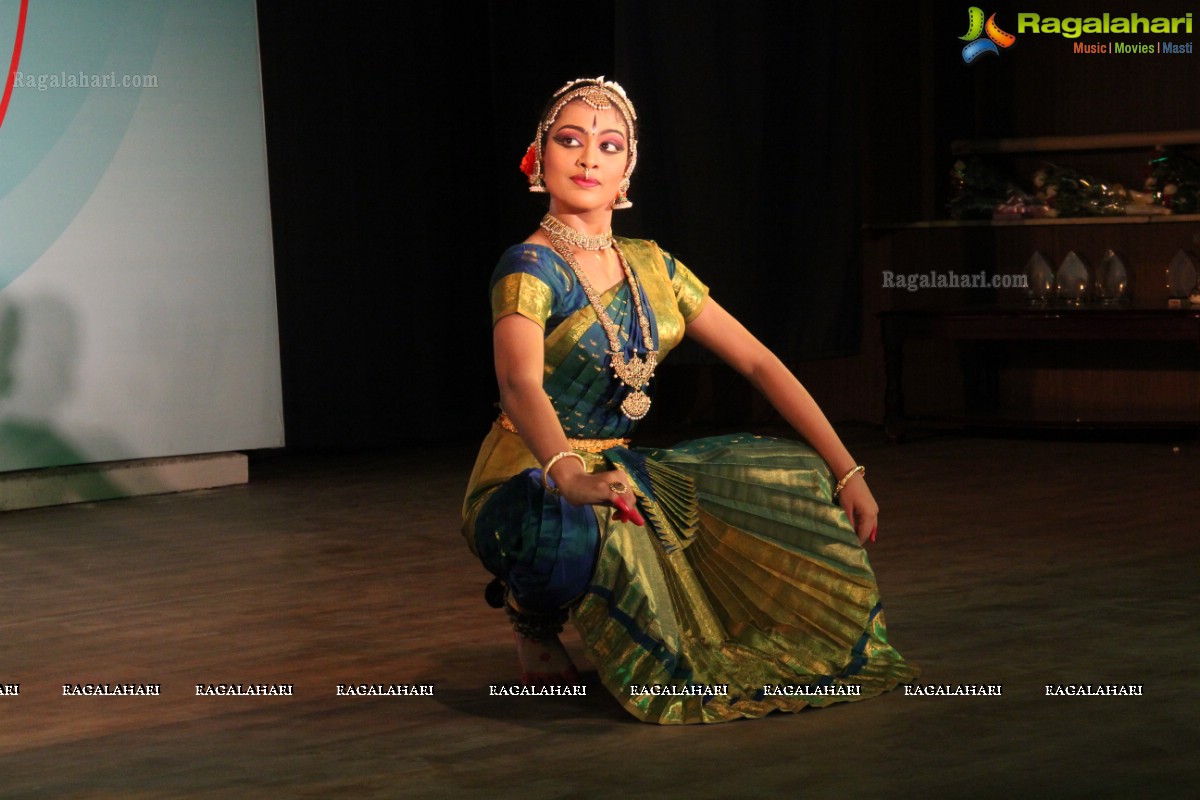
{"x":722,"y":578}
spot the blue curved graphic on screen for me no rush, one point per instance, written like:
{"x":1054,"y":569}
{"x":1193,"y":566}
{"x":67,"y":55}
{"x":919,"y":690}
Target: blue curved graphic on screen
{"x":59,"y":137}
{"x":977,"y":48}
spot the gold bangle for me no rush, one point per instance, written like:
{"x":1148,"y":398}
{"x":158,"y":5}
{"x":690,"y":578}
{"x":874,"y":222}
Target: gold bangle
{"x":550,"y":465}
{"x":846,"y":479}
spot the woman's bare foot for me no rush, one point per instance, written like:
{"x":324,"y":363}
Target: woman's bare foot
{"x":544,"y":662}
{"x":543,"y":659}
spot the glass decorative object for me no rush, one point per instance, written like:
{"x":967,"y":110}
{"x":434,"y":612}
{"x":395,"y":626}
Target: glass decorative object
{"x":1112,"y":280}
{"x":1039,"y":279}
{"x":1073,"y":280}
{"x":1181,"y":276}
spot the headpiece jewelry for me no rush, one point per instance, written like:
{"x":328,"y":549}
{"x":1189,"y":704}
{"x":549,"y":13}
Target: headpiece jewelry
{"x":601,"y":95}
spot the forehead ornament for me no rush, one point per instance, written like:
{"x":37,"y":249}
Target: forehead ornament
{"x":600,"y":95}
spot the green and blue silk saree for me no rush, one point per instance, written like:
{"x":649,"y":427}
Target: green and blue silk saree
{"x":746,"y":592}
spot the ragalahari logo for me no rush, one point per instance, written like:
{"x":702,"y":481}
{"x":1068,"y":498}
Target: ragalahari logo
{"x":15,"y":63}
{"x":976,"y":27}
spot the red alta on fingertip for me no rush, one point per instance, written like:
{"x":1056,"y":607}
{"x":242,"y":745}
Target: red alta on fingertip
{"x":626,"y":512}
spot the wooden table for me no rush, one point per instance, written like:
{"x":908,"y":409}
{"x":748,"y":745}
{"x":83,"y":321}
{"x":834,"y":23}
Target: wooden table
{"x":1027,"y":324}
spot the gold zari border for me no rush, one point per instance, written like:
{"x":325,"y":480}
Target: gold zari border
{"x":586,"y":445}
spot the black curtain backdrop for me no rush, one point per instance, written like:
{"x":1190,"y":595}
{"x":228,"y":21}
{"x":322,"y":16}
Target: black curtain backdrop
{"x":393,"y":145}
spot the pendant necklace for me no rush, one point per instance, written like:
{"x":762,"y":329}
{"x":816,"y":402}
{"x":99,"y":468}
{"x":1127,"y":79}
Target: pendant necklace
{"x":635,"y":372}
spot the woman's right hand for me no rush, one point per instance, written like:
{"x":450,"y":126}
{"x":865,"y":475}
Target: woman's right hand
{"x":610,"y":488}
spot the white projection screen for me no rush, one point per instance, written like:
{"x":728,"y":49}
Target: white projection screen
{"x":137,"y":295}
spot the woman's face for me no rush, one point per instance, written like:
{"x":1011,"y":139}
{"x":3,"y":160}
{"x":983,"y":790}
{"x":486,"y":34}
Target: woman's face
{"x":584,"y":157}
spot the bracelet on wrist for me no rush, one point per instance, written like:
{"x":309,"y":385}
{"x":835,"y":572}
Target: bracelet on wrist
{"x":846,"y":479}
{"x":554,"y":459}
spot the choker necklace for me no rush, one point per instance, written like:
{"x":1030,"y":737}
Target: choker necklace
{"x":553,"y":226}
{"x":635,"y":372}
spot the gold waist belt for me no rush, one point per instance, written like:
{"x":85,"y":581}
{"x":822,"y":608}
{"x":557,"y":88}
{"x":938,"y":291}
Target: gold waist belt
{"x":586,"y":445}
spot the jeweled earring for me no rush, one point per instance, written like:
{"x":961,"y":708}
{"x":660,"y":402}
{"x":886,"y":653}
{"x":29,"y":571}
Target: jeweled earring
{"x":531,"y":165}
{"x":622,"y":200}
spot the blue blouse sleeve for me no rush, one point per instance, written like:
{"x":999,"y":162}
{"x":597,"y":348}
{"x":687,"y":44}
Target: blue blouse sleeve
{"x":530,"y":281}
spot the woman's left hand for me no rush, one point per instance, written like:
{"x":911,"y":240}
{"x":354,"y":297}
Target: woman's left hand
{"x":860,"y":506}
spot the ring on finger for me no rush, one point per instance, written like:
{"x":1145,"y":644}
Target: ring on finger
{"x":618,"y":487}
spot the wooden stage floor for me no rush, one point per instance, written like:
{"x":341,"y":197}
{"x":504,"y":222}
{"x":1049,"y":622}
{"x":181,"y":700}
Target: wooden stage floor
{"x":1019,"y":563}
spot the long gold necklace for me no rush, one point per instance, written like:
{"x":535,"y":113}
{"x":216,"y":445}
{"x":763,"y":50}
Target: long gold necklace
{"x":636,"y":371}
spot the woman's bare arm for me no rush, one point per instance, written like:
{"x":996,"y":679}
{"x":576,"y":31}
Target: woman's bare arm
{"x":718,"y":331}
{"x":520,"y":364}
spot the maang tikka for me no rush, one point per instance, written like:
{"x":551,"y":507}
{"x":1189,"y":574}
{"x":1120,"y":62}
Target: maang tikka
{"x":601,"y":95}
